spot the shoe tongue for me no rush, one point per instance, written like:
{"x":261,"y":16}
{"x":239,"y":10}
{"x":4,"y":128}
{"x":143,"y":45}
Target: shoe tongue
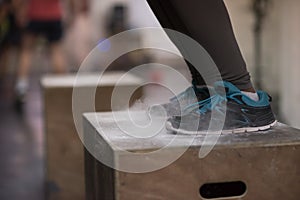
{"x":203,"y":92}
{"x":229,"y":88}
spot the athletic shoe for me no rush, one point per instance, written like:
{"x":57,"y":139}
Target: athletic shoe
{"x":21,"y":89}
{"x":178,"y":103}
{"x":235,"y":110}
{"x":19,"y":103}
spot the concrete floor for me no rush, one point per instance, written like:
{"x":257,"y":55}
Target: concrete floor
{"x":22,"y":168}
{"x":21,"y":145}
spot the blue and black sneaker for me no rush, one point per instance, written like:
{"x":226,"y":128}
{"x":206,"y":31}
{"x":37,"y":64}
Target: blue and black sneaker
{"x":188,"y":97}
{"x":235,"y":111}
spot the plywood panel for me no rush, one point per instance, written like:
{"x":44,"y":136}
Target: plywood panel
{"x":64,"y":150}
{"x":267,"y":162}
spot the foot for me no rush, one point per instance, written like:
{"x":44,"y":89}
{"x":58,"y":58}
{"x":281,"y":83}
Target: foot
{"x":19,"y":102}
{"x":21,"y":89}
{"x":242,"y":114}
{"x":177,"y":104}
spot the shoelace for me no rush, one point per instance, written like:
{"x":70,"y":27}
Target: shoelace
{"x":214,"y":102}
{"x":182,"y":94}
{"x":192,"y":89}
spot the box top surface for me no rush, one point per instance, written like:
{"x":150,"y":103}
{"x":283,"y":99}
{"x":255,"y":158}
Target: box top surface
{"x":110,"y":128}
{"x":89,"y":79}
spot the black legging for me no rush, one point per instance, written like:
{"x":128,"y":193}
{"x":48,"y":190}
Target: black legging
{"x":207,"y":22}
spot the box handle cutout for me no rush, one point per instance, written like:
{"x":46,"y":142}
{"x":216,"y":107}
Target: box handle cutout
{"x":226,"y":190}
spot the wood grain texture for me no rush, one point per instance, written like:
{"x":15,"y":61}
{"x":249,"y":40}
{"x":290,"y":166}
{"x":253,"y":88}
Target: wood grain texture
{"x":269,"y":173}
{"x":64,"y":150}
{"x":267,"y":162}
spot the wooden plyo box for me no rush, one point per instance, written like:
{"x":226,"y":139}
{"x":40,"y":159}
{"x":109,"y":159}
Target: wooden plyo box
{"x":64,"y":150}
{"x":249,"y":166}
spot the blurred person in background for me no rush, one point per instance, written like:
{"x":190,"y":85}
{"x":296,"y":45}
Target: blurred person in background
{"x":117,"y":21}
{"x":40,"y":18}
{"x":82,"y":30}
{"x":9,"y":32}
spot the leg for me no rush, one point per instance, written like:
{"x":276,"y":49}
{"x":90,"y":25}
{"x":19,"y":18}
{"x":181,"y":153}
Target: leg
{"x":54,"y":34}
{"x":57,"y":58}
{"x":25,"y":64}
{"x":22,"y":84}
{"x":4,"y":54}
{"x":208,"y":22}
{"x":25,"y":56}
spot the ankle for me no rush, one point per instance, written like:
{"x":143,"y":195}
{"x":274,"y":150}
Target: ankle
{"x":252,"y":90}
{"x":21,"y":86}
{"x":252,"y":95}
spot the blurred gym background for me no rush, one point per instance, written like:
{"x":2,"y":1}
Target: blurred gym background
{"x":267,"y":32}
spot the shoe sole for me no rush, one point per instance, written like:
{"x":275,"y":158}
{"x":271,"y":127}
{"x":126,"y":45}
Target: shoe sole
{"x":233,"y":131}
